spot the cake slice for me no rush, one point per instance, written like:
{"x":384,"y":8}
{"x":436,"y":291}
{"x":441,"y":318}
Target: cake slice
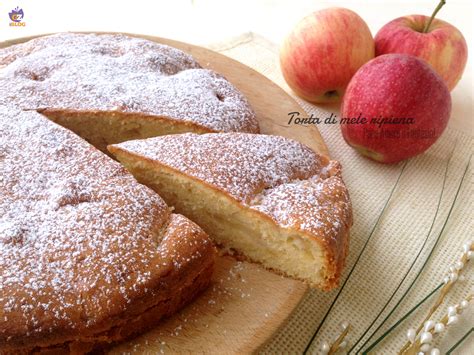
{"x":268,"y":198}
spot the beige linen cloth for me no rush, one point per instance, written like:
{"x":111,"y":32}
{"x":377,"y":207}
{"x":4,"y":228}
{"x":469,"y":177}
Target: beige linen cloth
{"x":393,"y":249}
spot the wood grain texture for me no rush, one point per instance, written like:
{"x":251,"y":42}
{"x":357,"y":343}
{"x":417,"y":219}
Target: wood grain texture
{"x":245,"y":304}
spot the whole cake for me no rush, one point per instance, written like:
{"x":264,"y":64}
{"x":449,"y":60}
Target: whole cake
{"x":112,"y":88}
{"x":271,"y":199}
{"x":88,"y":256}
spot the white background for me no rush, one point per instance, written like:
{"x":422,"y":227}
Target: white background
{"x":207,"y":21}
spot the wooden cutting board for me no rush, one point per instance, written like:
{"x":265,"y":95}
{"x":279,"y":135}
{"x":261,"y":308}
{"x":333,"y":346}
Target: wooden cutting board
{"x":245,"y":304}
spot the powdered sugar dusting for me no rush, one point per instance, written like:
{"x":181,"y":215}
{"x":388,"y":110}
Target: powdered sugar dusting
{"x":277,"y":176}
{"x":80,"y":239}
{"x":123,"y":74}
{"x":320,"y":206}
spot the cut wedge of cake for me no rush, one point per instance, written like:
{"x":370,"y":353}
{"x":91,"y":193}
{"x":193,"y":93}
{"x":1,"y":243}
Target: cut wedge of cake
{"x":268,"y":198}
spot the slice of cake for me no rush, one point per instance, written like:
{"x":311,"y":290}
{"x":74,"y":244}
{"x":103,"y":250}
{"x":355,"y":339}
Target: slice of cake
{"x":88,"y":256}
{"x":113,"y":88}
{"x":268,"y":198}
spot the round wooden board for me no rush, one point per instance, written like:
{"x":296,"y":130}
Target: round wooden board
{"x":245,"y":304}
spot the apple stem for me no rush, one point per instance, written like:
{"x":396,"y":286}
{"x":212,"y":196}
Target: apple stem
{"x":440,"y":5}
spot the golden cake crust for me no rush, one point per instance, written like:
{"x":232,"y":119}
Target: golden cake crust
{"x":87,"y":252}
{"x":280,"y":178}
{"x":122,"y":75}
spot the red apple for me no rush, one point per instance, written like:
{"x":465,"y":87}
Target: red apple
{"x":440,"y":44}
{"x":405,"y":104}
{"x":322,"y":53}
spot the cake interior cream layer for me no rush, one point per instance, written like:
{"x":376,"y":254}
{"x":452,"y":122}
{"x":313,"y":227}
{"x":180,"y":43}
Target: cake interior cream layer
{"x":231,"y":224}
{"x":104,"y":128}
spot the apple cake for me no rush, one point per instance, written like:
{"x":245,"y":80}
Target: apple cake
{"x":270,"y":199}
{"x":112,"y":88}
{"x":88,"y":255}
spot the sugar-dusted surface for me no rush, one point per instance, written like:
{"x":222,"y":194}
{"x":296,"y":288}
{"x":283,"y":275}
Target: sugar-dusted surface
{"x":88,"y":72}
{"x":80,"y":240}
{"x":319,"y":205}
{"x":279,"y":177}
